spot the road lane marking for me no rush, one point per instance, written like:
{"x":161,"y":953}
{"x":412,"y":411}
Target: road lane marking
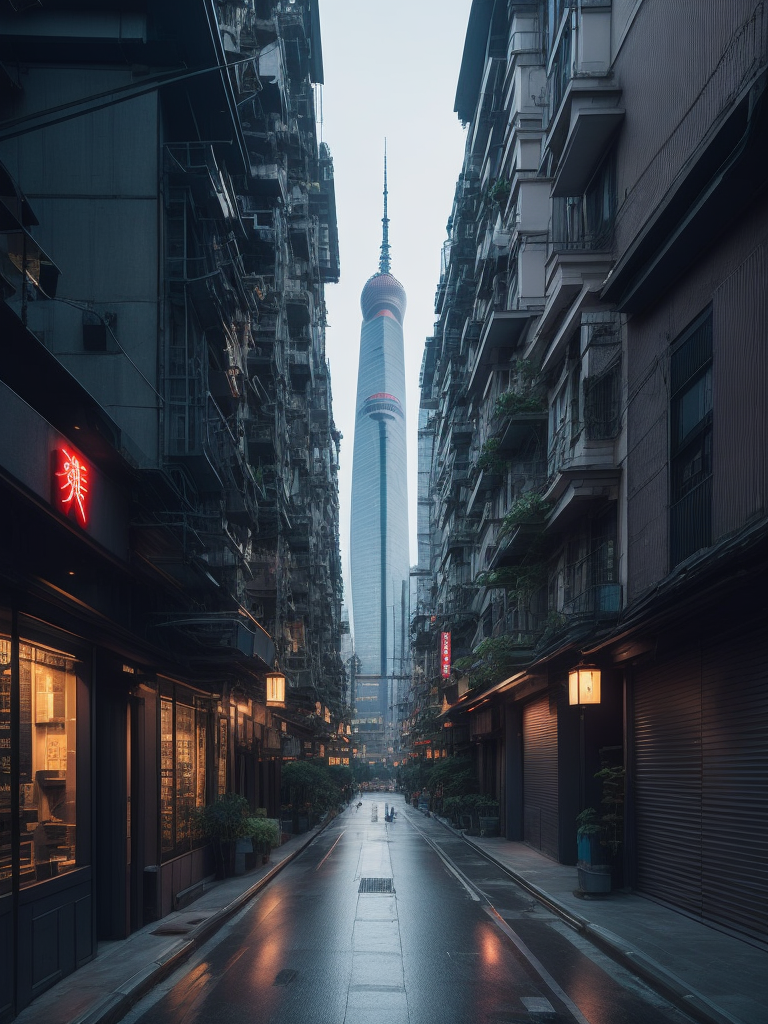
{"x":325,"y":858}
{"x":471,"y":888}
{"x":537,"y":965}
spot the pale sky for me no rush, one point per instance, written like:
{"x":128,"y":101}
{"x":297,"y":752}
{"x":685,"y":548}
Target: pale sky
{"x":391,"y":70}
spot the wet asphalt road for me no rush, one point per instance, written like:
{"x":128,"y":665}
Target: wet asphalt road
{"x":457,"y":941}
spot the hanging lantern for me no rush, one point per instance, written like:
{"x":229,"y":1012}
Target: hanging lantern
{"x":276,"y":690}
{"x":584,"y":684}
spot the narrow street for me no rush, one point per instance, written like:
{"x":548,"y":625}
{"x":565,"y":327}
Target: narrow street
{"x":456,"y":940}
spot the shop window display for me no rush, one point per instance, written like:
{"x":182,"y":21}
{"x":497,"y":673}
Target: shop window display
{"x":6,"y":872}
{"x":221,"y":775}
{"x":47,"y":763}
{"x":183,"y":757}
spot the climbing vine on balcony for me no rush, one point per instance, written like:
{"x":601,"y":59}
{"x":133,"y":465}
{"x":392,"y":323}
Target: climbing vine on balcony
{"x":499,"y":191}
{"x":489,"y":457}
{"x":509,"y":403}
{"x":519,"y":580}
{"x":529,"y":508}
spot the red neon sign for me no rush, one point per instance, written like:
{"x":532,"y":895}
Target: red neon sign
{"x":71,"y":484}
{"x":445,"y":655}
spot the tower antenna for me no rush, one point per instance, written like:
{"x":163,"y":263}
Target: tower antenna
{"x":384,"y":260}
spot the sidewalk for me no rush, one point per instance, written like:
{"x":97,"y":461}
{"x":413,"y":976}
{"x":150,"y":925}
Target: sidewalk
{"x":105,"y":989}
{"x":715,"y":977}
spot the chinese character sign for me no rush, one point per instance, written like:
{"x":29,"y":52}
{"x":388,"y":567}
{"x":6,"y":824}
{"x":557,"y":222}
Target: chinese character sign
{"x":71,"y":484}
{"x":445,"y":654}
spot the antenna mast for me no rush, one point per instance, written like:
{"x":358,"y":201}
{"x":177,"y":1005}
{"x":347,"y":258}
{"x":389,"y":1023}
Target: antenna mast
{"x":384,"y":260}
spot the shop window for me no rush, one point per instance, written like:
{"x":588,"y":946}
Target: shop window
{"x":222,"y":765}
{"x":183,"y":758}
{"x":47,"y":763}
{"x":6,"y":871}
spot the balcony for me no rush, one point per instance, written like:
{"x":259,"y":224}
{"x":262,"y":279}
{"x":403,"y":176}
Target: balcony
{"x":589,"y":587}
{"x":580,"y":69}
{"x":270,"y":179}
{"x":581,"y":471}
{"x":594,"y":118}
{"x":499,"y":338}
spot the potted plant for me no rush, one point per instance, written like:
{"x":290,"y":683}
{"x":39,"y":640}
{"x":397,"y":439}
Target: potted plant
{"x":224,"y":823}
{"x":265,"y":835}
{"x":599,"y":836}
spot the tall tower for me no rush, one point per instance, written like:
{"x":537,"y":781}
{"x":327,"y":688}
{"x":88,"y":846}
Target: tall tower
{"x":379,"y":554}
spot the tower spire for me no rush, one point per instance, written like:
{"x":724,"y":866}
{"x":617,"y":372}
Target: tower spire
{"x":384,"y":261}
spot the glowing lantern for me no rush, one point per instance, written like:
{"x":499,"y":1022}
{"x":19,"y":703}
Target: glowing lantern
{"x":276,"y":690}
{"x":584,"y":684}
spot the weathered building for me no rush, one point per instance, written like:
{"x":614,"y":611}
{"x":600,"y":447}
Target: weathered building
{"x":169,"y":456}
{"x":593,"y":453}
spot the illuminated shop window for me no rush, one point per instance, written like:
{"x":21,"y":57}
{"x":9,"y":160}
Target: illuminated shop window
{"x":182,"y":773}
{"x":166,"y":775}
{"x":5,"y":765}
{"x":221,"y":787}
{"x":47,"y":763}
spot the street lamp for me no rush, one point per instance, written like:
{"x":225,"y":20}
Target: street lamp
{"x":583,"y":688}
{"x":276,"y":690}
{"x":584,"y":684}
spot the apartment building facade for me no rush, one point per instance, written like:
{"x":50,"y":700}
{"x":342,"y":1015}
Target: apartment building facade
{"x":169,"y":455}
{"x":592,"y":474}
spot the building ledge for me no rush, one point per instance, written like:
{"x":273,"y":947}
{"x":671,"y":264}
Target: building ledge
{"x":581,"y":94}
{"x":574,"y":490}
{"x":590,"y":133}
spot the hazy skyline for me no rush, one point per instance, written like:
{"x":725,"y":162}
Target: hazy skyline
{"x":390,"y":71}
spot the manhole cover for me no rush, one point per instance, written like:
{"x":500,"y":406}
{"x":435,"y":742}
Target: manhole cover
{"x":376,"y":885}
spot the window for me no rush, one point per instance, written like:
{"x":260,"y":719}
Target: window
{"x":691,"y":440}
{"x":47,"y":762}
{"x":6,"y":871}
{"x":602,"y":404}
{"x":183,"y":757}
{"x":600,"y":203}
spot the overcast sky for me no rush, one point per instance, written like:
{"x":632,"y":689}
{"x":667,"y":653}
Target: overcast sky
{"x":390,"y":71}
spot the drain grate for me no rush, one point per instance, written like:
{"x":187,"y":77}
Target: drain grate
{"x":376,"y":885}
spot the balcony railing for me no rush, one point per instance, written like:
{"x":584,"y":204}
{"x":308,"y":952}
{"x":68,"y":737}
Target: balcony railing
{"x":570,"y":231}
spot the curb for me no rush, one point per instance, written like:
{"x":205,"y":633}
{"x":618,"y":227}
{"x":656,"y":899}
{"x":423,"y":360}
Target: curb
{"x":624,"y":953}
{"x":114,"y":1006}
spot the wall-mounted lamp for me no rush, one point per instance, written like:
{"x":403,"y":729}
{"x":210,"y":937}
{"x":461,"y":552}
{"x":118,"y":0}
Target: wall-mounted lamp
{"x":276,"y":690}
{"x":584,"y":684}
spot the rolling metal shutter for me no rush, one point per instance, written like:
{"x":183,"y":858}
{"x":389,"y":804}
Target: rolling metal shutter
{"x":702,"y":782}
{"x":668,"y":782}
{"x":540,"y":777}
{"x":735,"y":784}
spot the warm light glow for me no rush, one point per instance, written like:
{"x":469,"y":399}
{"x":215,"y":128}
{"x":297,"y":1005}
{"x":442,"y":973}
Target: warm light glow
{"x":584,"y":685}
{"x":72,"y":473}
{"x":276,"y":689}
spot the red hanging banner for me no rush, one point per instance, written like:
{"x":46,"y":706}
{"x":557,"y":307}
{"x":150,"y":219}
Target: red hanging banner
{"x":445,"y":655}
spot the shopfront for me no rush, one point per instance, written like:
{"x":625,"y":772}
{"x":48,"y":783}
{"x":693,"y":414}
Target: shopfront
{"x":46,"y":909}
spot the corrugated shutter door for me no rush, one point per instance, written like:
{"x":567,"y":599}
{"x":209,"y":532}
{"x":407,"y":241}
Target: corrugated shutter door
{"x":735,"y":796}
{"x":668,"y":771}
{"x":540,"y":777}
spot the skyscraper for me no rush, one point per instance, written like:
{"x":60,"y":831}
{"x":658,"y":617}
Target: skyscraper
{"x":379,"y":516}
